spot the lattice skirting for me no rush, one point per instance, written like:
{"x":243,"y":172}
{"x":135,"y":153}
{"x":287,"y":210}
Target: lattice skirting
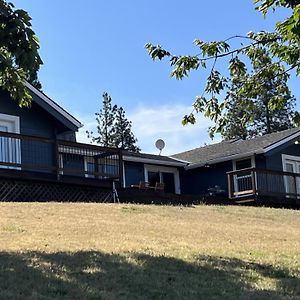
{"x":27,"y":191}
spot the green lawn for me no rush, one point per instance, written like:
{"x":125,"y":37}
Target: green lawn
{"x":103,"y":251}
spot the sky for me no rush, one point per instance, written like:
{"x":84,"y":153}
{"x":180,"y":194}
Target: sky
{"x":93,"y":46}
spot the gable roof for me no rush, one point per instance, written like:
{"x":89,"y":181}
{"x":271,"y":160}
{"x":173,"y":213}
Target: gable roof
{"x":233,"y":149}
{"x":54,"y":109}
{"x":152,"y":159}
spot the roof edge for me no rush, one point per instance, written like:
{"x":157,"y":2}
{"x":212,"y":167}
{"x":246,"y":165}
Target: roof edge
{"x":54,"y":105}
{"x":222,"y":159}
{"x":154,"y":161}
{"x":282,"y":141}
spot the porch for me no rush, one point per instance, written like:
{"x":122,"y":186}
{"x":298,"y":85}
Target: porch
{"x":264,"y":185}
{"x":56,"y":165}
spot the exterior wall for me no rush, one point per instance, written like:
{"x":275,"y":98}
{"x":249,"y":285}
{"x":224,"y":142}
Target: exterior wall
{"x":34,"y":120}
{"x":198,"y":181}
{"x":260,"y":161}
{"x":274,"y":157}
{"x":134,"y":173}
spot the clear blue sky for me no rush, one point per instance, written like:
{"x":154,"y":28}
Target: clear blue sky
{"x":93,"y":46}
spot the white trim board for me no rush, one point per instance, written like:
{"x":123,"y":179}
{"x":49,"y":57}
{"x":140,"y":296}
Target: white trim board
{"x":252,"y":157}
{"x":290,"y":157}
{"x":153,"y":161}
{"x":281,"y":142}
{"x":15,"y":120}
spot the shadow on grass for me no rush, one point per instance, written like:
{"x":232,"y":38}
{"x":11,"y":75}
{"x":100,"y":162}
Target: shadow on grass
{"x":96,"y":275}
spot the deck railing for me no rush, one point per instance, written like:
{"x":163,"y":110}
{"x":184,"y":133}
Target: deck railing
{"x":58,"y":157}
{"x":261,"y":182}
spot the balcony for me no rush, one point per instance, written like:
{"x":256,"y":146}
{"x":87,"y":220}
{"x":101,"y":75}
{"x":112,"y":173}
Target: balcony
{"x":36,"y":158}
{"x":262,"y":184}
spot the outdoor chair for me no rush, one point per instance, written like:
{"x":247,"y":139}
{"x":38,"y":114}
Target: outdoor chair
{"x":143,"y":185}
{"x":159,"y":187}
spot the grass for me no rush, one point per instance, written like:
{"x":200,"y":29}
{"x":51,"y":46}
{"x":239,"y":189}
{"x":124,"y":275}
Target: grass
{"x":102,"y":251}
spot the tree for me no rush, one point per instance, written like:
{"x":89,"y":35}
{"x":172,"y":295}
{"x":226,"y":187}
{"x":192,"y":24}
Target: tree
{"x":113,"y":128}
{"x":282,"y":45}
{"x":249,"y":117}
{"x":19,"y":57}
{"x":123,"y":136}
{"x":105,"y":122}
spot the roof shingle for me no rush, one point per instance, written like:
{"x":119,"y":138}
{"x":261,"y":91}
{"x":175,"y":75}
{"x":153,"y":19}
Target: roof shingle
{"x":233,"y":147}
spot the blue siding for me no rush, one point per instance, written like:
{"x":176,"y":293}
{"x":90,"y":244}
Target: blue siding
{"x":36,"y":121}
{"x":260,"y":162}
{"x":134,"y":173}
{"x":274,"y":157}
{"x":197,"y":181}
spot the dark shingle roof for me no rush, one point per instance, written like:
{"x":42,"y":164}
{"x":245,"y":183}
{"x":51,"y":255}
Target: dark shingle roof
{"x":229,"y":148}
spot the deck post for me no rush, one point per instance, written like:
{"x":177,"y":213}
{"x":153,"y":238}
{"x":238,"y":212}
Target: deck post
{"x":121,"y":168}
{"x":229,"y":186}
{"x":254,"y":187}
{"x":295,"y":187}
{"x":56,"y":145}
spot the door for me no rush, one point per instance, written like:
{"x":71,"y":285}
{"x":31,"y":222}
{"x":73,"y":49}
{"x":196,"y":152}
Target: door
{"x":292,"y":166}
{"x":9,"y":147}
{"x":169,"y":181}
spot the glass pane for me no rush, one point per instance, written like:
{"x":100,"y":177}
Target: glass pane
{"x":153,"y":177}
{"x":243,"y":164}
{"x":168,"y":179}
{"x":289,"y":167}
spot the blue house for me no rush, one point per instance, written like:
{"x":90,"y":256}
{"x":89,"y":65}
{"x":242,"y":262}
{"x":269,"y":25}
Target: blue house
{"x":41,"y":160}
{"x":266,"y":166}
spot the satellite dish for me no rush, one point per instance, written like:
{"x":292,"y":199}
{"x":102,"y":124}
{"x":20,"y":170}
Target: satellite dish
{"x":160,"y":144}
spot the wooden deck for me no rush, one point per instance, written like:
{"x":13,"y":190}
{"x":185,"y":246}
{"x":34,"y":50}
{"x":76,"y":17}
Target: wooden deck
{"x":34,"y":160}
{"x":264,"y":185}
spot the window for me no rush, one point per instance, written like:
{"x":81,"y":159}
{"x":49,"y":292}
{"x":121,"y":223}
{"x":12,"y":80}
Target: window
{"x":93,"y":166}
{"x":153,"y":177}
{"x":291,"y":164}
{"x":243,"y":164}
{"x":10,"y":148}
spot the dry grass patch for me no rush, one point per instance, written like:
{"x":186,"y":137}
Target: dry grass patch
{"x":107,"y":251}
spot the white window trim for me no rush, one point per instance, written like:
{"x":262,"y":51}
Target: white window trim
{"x":286,"y":157}
{"x":13,"y":119}
{"x":163,"y":169}
{"x":244,"y":158}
